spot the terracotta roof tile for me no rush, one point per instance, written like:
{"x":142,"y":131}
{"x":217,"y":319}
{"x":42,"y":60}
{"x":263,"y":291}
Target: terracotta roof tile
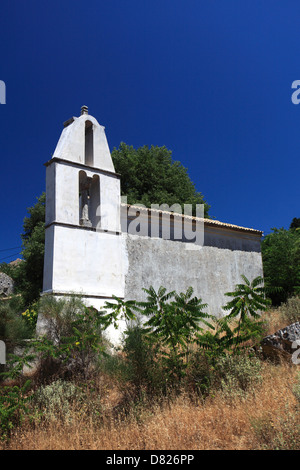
{"x":206,"y":221}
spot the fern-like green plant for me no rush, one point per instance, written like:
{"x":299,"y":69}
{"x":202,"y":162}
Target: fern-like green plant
{"x":249,"y":301}
{"x":243,"y":321}
{"x":118,"y":310}
{"x":173,"y":322}
{"x":169,"y":324}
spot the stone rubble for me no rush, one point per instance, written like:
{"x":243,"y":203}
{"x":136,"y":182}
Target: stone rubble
{"x":6,"y":285}
{"x":282,"y":343}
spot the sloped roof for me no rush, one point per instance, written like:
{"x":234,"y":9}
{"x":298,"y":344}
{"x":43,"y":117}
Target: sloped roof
{"x":211,"y":222}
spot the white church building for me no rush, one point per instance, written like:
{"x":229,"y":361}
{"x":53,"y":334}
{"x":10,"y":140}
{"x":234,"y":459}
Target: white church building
{"x":98,"y":246}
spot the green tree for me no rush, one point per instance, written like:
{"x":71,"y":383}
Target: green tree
{"x":295,"y":223}
{"x":13,"y":329}
{"x":150,"y":176}
{"x":281,"y":263}
{"x":28,"y":274}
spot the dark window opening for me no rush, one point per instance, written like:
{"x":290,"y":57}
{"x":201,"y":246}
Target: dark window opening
{"x":89,"y":143}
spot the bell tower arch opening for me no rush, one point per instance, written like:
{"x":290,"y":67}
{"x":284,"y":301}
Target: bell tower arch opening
{"x":89,"y":144}
{"x":89,"y":200}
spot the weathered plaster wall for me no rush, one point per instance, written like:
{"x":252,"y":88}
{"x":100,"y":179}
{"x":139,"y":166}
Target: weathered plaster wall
{"x":210,"y":270}
{"x":84,"y":262}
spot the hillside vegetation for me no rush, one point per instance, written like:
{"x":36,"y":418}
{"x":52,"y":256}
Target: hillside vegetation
{"x":195,"y":384}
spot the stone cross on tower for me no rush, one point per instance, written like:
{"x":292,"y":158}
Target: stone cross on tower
{"x":84,"y":110}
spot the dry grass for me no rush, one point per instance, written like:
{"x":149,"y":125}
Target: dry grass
{"x":274,"y":321}
{"x":265,"y":418}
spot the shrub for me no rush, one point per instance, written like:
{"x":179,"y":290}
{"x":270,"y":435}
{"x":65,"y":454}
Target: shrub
{"x":236,"y":374}
{"x":59,"y":315}
{"x":30,"y":316}
{"x":200,"y":373}
{"x":144,"y":366}
{"x":13,"y":408}
{"x":278,"y":433}
{"x":54,"y":401}
{"x":14,"y":331}
{"x":138,"y":355}
{"x":74,"y":339}
{"x":160,"y":349}
{"x":172,"y":322}
{"x":296,"y":389}
{"x":290,"y":310}
{"x":243,"y":323}
{"x":13,"y":328}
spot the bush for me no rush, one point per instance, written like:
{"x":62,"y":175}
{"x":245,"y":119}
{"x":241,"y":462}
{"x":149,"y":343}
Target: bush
{"x":74,"y":340}
{"x":144,"y":365}
{"x":14,"y":331}
{"x":237,"y":374}
{"x":290,"y":310}
{"x":200,"y":373}
{"x":281,"y":433}
{"x":161,"y":349}
{"x":59,"y":315}
{"x":13,"y":408}
{"x":158,"y":347}
{"x":13,"y":328}
{"x":296,"y":389}
{"x":54,"y":401}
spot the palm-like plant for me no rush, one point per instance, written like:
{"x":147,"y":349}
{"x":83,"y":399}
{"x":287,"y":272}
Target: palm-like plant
{"x":248,"y":299}
{"x":248,"y":302}
{"x":175,"y":322}
{"x":118,"y":310}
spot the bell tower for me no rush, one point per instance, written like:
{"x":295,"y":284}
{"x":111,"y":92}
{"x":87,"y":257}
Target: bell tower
{"x":83,"y":246}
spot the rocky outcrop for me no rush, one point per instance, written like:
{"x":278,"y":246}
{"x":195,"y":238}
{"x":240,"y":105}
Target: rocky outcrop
{"x":283,"y":343}
{"x":6,"y":285}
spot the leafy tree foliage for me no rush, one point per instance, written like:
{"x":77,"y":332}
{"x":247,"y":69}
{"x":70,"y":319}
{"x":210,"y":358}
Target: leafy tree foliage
{"x":33,"y":250}
{"x":281,"y":262}
{"x":248,"y":299}
{"x":173,"y":322}
{"x":174,"y":318}
{"x":28,"y":274}
{"x":13,"y":328}
{"x":295,"y":223}
{"x":243,"y":321}
{"x":150,"y":176}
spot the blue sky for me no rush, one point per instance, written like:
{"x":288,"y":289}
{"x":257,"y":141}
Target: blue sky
{"x":211,"y":80}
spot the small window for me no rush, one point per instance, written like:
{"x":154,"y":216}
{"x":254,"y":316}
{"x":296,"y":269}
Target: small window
{"x":89,"y":143}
